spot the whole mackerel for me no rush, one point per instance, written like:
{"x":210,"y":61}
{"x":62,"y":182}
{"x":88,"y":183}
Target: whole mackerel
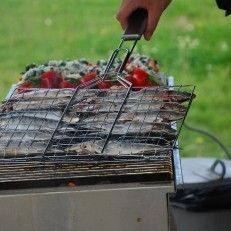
{"x":17,"y":122}
{"x":133,"y":128}
{"x":118,"y":148}
{"x":142,"y":117}
{"x":99,"y":106}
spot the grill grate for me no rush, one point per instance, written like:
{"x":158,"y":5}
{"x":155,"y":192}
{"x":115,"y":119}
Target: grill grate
{"x":39,"y":144}
{"x":36,"y":171}
{"x":98,"y":123}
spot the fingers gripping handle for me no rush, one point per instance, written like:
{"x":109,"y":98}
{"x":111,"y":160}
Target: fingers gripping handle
{"x":137,"y":23}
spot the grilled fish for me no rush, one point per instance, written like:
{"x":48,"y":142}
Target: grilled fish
{"x":117,"y":148}
{"x":95,"y":100}
{"x":40,"y":104}
{"x":30,"y":143}
{"x":142,"y":117}
{"x":44,"y":100}
{"x":132,"y":128}
{"x":106,"y":106}
{"x":38,"y":94}
{"x":52,"y":94}
{"x":17,"y":149}
{"x":151,"y":94}
{"x":162,"y":94}
{"x":15,"y":122}
{"x":24,"y":135}
{"x":32,"y":150}
{"x":53,"y":115}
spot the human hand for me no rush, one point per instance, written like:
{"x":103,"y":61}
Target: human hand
{"x":154,"y":8}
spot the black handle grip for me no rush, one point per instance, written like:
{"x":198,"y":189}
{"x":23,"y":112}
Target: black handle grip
{"x":137,"y":23}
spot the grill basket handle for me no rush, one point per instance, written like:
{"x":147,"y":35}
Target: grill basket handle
{"x":137,"y":23}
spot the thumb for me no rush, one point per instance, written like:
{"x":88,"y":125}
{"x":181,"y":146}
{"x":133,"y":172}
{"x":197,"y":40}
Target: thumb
{"x":154,"y":14}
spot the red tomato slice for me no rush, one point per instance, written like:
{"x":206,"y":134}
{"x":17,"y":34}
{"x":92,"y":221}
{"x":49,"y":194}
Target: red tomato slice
{"x":46,"y":83}
{"x":88,"y":77}
{"x":53,"y":79}
{"x":65,"y":84}
{"x":104,"y":85}
{"x":49,"y":74}
{"x":140,"y":78}
{"x":24,"y":87}
{"x":129,"y":78}
{"x":57,"y":81}
{"x":140,"y":73}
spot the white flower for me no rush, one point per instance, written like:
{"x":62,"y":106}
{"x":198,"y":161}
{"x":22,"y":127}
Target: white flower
{"x":184,"y":23}
{"x":224,"y":46}
{"x":48,"y":22}
{"x":186,"y":42}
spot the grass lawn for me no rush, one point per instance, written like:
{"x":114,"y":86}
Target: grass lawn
{"x":191,"y":43}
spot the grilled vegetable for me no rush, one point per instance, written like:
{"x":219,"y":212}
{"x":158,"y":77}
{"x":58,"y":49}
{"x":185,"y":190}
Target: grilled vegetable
{"x":68,"y":74}
{"x":87,"y":77}
{"x":104,"y":85}
{"x":24,"y":87}
{"x":142,"y":79}
{"x":66,"y":84}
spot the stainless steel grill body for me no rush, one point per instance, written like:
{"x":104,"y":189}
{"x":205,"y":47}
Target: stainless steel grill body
{"x":130,"y":207}
{"x":113,"y":192}
{"x":49,"y":136}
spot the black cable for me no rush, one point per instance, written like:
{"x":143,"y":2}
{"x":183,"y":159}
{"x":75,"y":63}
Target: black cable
{"x":223,"y":167}
{"x":214,"y":138}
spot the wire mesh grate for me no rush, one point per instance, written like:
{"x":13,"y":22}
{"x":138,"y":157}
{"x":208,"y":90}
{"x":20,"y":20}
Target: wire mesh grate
{"x":110,"y":123}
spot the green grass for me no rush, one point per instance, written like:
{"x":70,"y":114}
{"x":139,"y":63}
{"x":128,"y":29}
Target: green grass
{"x":191,"y":43}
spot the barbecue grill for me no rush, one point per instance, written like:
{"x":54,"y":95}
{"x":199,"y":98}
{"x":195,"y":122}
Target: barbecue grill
{"x":116,"y":147}
{"x":128,"y":182}
{"x":109,"y":137}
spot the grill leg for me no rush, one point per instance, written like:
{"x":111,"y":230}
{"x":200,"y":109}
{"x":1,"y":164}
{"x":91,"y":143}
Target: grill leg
{"x":172,"y":222}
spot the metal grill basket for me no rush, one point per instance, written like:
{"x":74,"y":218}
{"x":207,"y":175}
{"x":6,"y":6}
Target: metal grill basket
{"x":111,"y":124}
